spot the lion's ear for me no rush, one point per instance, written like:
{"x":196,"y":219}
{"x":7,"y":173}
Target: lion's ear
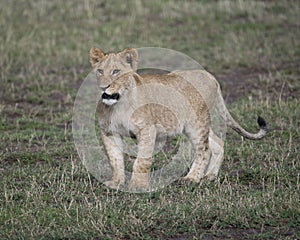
{"x":130,"y":55}
{"x":137,"y":79}
{"x":95,"y":55}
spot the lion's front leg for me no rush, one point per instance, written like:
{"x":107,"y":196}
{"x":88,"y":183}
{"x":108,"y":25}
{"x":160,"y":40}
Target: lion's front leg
{"x":114,"y":148}
{"x":142,"y":165}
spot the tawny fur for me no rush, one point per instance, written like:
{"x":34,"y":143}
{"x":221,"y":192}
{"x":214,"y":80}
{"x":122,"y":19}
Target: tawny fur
{"x":151,"y":107}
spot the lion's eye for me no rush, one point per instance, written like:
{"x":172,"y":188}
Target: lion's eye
{"x":115,"y":71}
{"x":100,"y":72}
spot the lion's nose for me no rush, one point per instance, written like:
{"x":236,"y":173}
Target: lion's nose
{"x":115,"y":96}
{"x":104,"y":88}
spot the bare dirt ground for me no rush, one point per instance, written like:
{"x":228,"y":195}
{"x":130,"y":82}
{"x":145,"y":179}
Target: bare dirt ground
{"x":245,"y":82}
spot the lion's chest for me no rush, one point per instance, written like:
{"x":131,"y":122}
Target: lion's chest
{"x":130,"y":121}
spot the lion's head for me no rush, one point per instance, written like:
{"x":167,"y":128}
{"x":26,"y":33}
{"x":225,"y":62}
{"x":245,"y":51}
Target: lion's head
{"x":109,"y":66}
{"x":119,"y":87}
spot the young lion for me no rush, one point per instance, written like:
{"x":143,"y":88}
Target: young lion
{"x":152,"y":107}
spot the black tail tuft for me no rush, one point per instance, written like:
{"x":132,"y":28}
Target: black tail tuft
{"x":262,"y":123}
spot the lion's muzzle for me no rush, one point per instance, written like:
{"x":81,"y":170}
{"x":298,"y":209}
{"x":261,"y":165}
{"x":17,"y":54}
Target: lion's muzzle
{"x":110,"y":99}
{"x":115,"y":96}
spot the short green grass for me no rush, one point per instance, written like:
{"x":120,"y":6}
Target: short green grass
{"x":46,"y":193}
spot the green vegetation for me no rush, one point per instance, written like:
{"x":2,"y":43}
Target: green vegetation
{"x":252,"y":47}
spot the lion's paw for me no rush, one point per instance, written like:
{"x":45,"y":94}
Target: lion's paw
{"x":211,"y":176}
{"x":139,"y":185}
{"x":114,"y":183}
{"x":191,"y":179}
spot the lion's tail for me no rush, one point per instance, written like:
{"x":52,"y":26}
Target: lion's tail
{"x":253,"y":136}
{"x":236,"y":126}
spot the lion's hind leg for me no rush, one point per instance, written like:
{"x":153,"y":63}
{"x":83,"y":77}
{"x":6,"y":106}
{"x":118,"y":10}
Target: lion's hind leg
{"x":217,"y":147}
{"x":199,"y":139}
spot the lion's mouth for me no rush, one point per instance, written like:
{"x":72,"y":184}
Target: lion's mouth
{"x":115,"y":96}
{"x":110,"y":99}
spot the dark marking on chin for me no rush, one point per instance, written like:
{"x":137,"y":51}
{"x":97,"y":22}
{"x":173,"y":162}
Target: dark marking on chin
{"x":115,"y":96}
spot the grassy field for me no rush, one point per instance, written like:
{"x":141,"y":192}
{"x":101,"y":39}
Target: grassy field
{"x":252,"y":47}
